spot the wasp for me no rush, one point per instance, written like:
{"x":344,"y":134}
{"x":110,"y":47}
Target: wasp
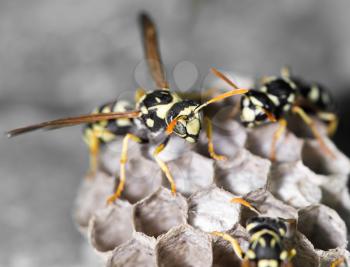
{"x":277,"y":97}
{"x":159,"y":112}
{"x":267,"y":234}
{"x":266,"y":248}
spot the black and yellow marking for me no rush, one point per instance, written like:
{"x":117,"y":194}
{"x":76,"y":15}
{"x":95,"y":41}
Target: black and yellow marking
{"x":100,"y":132}
{"x":266,"y":247}
{"x":279,"y":96}
{"x":160,"y":112}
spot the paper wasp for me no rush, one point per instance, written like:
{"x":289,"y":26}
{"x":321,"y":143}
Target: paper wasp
{"x":266,"y":248}
{"x":267,"y":234}
{"x":160,"y":112}
{"x":277,"y":97}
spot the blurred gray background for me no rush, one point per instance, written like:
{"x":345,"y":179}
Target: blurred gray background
{"x":64,"y":57}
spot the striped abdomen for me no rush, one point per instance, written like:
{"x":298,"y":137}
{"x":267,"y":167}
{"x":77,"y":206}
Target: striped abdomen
{"x":106,"y":131}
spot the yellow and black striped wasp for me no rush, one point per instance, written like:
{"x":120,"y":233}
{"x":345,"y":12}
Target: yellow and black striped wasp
{"x":266,"y":248}
{"x":277,"y":97}
{"x":160,"y":112}
{"x":266,"y":241}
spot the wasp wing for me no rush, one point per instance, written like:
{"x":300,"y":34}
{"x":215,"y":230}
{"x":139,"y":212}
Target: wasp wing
{"x":151,"y":48}
{"x":72,"y":121}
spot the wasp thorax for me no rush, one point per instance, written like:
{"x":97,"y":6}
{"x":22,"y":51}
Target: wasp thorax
{"x":188,"y":120}
{"x":254,"y":108}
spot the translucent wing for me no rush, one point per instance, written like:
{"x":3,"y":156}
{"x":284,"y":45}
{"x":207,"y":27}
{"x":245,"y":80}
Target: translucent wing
{"x":72,"y":121}
{"x":151,"y":48}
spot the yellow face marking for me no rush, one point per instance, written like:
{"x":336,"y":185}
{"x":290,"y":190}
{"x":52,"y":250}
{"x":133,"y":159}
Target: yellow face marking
{"x":190,"y":139}
{"x":193,"y":127}
{"x":267,"y":263}
{"x":150,"y":123}
{"x":186,"y":111}
{"x":246,"y":102}
{"x":248,"y":114}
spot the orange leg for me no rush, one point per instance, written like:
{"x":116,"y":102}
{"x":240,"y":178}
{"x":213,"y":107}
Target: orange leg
{"x":93,"y":144}
{"x":123,"y":160}
{"x":209,"y":130}
{"x":337,"y":262}
{"x":332,"y":120}
{"x":277,"y":135}
{"x":164,"y":167}
{"x":314,"y":130}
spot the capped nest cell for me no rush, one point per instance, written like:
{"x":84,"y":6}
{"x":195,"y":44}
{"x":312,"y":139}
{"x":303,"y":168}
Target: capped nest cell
{"x":150,"y":226}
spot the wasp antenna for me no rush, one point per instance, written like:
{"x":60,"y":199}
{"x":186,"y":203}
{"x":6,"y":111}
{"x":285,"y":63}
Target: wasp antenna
{"x":245,"y":203}
{"x":224,"y":77}
{"x":222,"y":97}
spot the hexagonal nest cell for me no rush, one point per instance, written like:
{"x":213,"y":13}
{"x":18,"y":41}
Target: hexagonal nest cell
{"x":151,"y":226}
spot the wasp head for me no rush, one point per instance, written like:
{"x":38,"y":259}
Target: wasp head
{"x":188,"y":121}
{"x":255,"y":108}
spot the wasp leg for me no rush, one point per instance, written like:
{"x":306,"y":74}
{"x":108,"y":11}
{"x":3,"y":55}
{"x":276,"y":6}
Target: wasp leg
{"x":93,"y":143}
{"x":332,"y":120}
{"x":94,"y":147}
{"x":276,"y":136}
{"x":245,"y":203}
{"x":235,"y":245}
{"x":209,"y":130}
{"x":313,"y":128}
{"x":291,"y":254}
{"x":123,"y":160}
{"x":163,"y":165}
{"x":337,"y":262}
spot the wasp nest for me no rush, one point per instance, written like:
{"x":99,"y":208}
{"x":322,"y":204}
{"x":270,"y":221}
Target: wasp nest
{"x":149,"y":226}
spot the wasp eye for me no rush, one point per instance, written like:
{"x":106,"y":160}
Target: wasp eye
{"x":180,"y":128}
